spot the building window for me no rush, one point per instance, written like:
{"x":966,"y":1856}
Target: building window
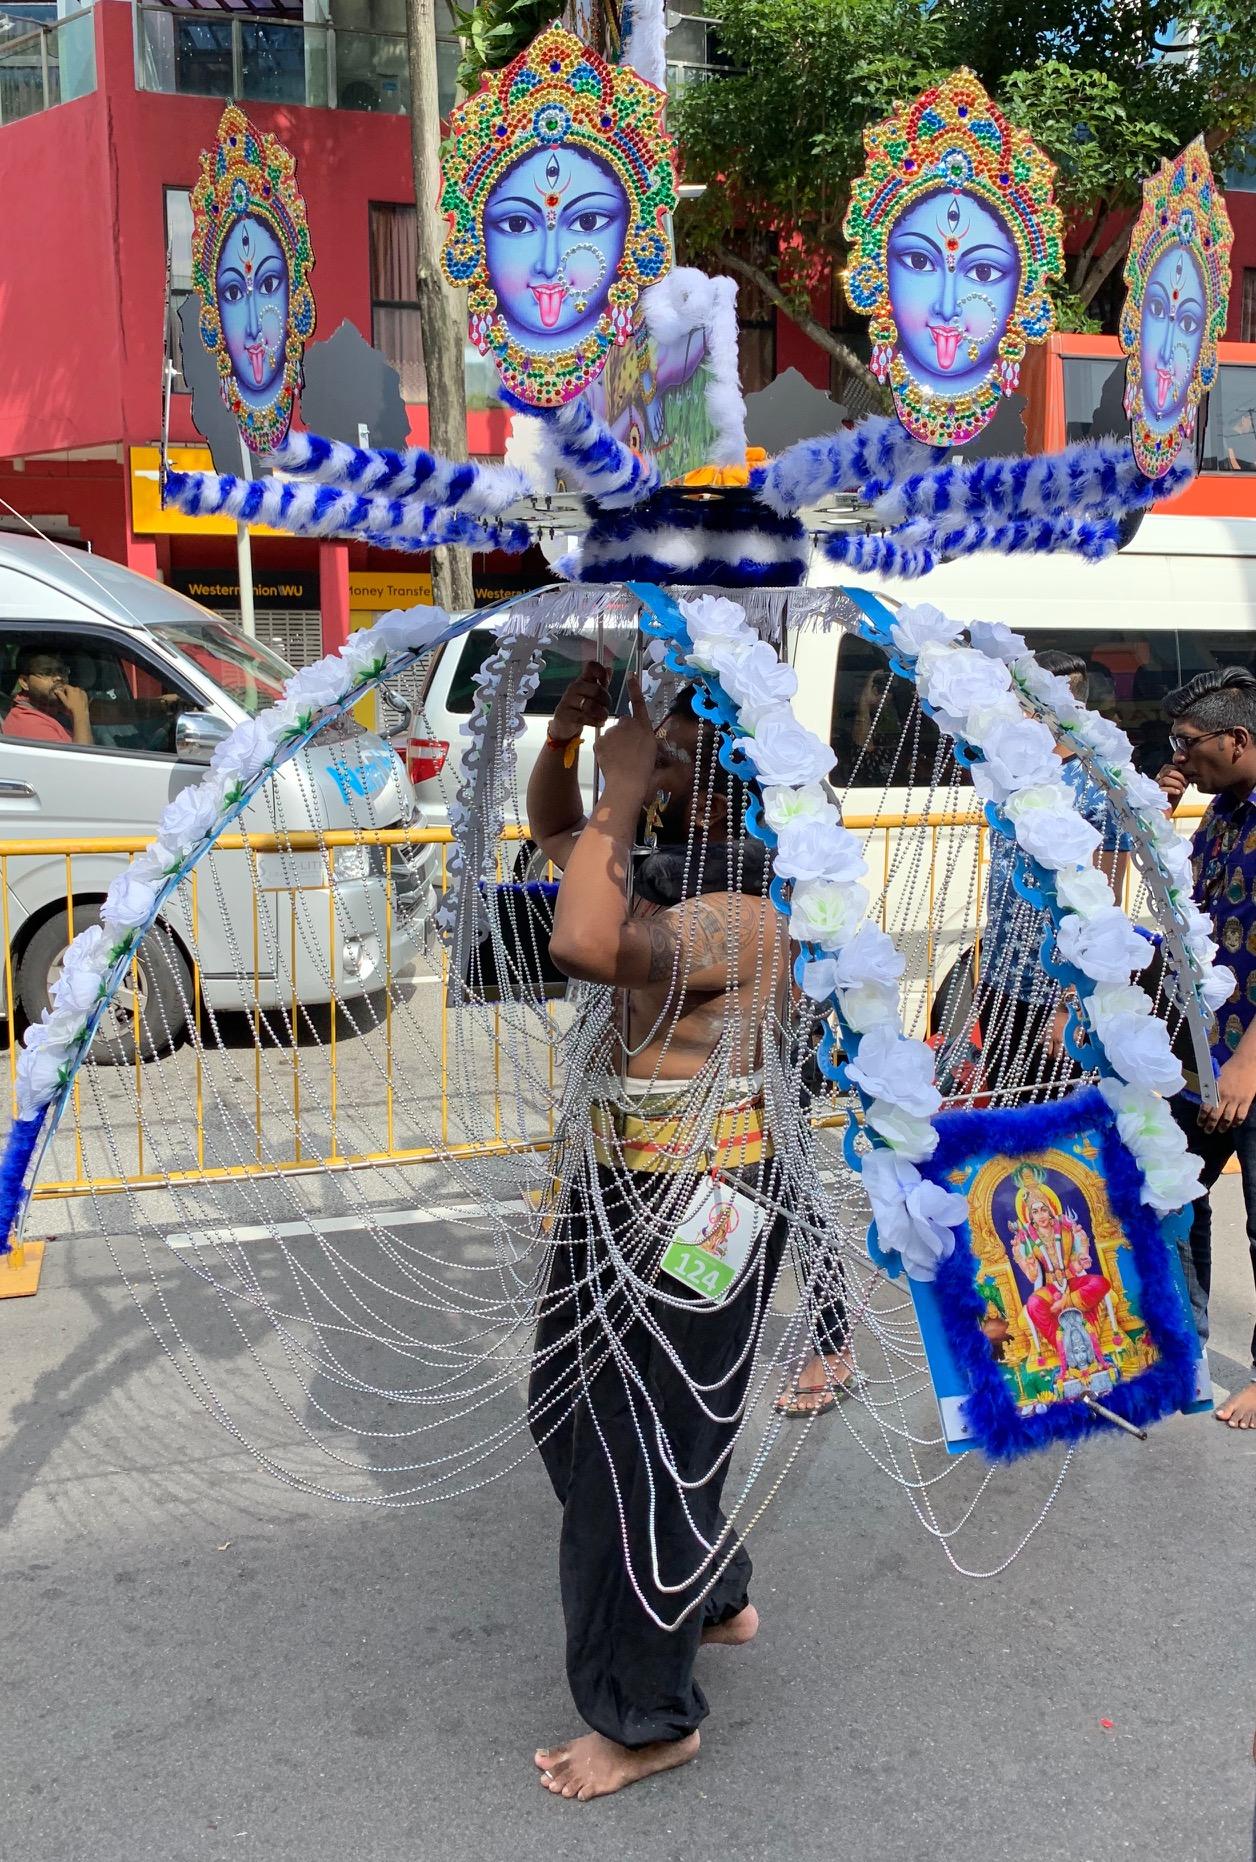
{"x":178,"y":244}
{"x":756,"y":321}
{"x":395,"y":328}
{"x":1247,"y":315}
{"x":693,"y":52}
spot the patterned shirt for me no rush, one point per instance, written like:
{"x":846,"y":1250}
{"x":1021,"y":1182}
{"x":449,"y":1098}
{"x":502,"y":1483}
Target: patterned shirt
{"x":1011,"y":945}
{"x":1223,"y":859}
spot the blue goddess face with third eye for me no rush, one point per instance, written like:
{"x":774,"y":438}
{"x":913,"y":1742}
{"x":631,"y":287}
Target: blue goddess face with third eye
{"x":953,"y":274}
{"x":554,"y":232}
{"x":1171,"y":333}
{"x":252,"y":289}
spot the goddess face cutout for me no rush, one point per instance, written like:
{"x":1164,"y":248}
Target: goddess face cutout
{"x":1171,"y":334}
{"x":251,"y":264}
{"x":252,"y":288}
{"x":554,"y":232}
{"x":953,"y":277}
{"x":1178,"y":277}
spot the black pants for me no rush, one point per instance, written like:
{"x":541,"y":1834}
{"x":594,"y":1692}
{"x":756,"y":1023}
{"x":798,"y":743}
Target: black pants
{"x":630,"y":1679}
{"x":1214,"y":1149}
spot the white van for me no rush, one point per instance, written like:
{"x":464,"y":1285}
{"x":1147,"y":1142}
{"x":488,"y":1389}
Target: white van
{"x":1179,"y":598}
{"x":146,"y":684}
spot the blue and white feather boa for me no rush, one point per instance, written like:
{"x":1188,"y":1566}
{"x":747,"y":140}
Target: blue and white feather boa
{"x":477,"y":489}
{"x":317,"y":510}
{"x":725,"y":539}
{"x":1091,"y":476}
{"x":867,"y":459}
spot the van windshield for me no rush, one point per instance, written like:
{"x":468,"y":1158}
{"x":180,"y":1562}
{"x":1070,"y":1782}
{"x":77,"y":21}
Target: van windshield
{"x":251,"y":674}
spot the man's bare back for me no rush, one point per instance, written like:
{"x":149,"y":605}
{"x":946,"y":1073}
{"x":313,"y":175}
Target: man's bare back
{"x":678,"y":1027}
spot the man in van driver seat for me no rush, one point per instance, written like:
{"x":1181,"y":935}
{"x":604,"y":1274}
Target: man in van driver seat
{"x":46,"y":708}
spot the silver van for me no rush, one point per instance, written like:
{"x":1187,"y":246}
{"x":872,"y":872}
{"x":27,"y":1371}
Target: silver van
{"x":114,"y":691}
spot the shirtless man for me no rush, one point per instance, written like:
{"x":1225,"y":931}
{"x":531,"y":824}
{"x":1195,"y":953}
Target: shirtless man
{"x":705,"y":970}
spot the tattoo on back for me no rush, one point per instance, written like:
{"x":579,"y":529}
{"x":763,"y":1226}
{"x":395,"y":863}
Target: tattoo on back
{"x":701,"y":936}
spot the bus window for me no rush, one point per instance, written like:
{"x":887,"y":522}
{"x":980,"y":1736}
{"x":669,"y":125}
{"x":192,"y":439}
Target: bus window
{"x":881,"y":738}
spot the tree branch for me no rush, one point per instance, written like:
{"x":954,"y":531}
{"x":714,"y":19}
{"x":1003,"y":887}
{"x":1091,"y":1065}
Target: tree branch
{"x":1087,"y":252}
{"x":1108,"y":259}
{"x":824,"y":339}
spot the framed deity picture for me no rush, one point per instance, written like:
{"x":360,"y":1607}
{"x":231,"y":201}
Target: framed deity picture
{"x":1064,"y":1291}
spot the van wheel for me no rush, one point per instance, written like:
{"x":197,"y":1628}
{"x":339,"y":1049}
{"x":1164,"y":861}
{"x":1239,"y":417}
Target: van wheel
{"x":159,"y":986}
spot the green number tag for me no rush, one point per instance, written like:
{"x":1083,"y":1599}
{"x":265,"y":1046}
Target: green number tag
{"x":713,"y":1240}
{"x":698,"y":1270}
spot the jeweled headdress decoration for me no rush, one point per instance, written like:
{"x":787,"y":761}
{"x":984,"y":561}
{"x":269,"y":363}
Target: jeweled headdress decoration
{"x":1032,"y":1181}
{"x":1182,"y":208}
{"x":953,"y":138}
{"x":250,"y":173}
{"x":557,"y":94}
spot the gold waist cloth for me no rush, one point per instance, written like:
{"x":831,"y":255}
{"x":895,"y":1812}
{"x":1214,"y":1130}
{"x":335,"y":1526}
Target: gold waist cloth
{"x":629,"y":1139}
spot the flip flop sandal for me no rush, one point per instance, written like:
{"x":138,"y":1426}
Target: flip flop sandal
{"x":817,"y":1401}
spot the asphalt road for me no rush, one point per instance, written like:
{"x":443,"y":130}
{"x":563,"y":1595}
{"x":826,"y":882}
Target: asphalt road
{"x":202,"y":1665}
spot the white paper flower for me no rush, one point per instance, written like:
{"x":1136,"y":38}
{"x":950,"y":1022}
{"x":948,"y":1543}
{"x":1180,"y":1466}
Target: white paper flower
{"x":320,"y":686}
{"x":783,"y":750}
{"x":1105,"y":947}
{"x":1170,"y":1182}
{"x":1085,"y":892}
{"x":889,"y":1066}
{"x":1119,"y":999}
{"x":912,"y":627}
{"x":956,"y":681}
{"x":362,"y":652}
{"x":1057,"y":840}
{"x":407,"y":630}
{"x":187,"y":819}
{"x":823,"y":913}
{"x":713,"y":622}
{"x":913,"y":1138}
{"x":870,"y":1005}
{"x":1019,"y":752}
{"x":1137,"y":1046}
{"x":1108,"y":741}
{"x":1143,"y":1120}
{"x":819,"y":978}
{"x":983,"y":718}
{"x":248,"y":750}
{"x":1143,"y":792}
{"x":1174,"y":855}
{"x":129,"y":902}
{"x":1216,"y":986}
{"x":755,"y":679}
{"x":997,"y":641}
{"x":782,"y":804}
{"x":869,"y":957}
{"x":1040,"y":798}
{"x":77,"y":989}
{"x":915,"y":1219}
{"x":819,"y":849}
{"x":1049,"y":688}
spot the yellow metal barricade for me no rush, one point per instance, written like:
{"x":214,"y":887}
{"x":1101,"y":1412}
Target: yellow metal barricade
{"x":952,"y":833}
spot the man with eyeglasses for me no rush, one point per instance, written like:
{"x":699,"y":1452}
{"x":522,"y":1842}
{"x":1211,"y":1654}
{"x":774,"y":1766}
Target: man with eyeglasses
{"x":1213,"y":740}
{"x":46,"y":707}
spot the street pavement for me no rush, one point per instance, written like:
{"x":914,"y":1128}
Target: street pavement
{"x":203,"y":1665}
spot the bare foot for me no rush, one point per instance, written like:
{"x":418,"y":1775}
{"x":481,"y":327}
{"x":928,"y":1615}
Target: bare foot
{"x":736,"y":1630}
{"x":595,"y":1767}
{"x":1240,"y":1411}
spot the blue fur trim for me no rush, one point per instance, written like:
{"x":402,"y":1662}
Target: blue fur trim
{"x":19,"y":1148}
{"x":990,"y":1411}
{"x":1091,"y":477}
{"x":632,"y":546}
{"x":868,"y":458}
